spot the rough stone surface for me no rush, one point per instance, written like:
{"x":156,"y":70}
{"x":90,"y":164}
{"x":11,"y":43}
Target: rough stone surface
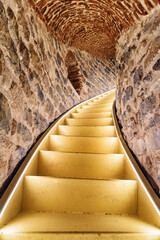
{"x":138,"y":91}
{"x":35,"y":87}
{"x":92,"y":25}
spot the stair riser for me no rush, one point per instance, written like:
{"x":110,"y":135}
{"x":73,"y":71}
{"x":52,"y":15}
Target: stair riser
{"x":100,"y":102}
{"x":98,"y":105}
{"x":91,"y":115}
{"x":104,"y":100}
{"x":73,"y":195}
{"x":95,"y":110}
{"x":90,"y":122}
{"x":83,"y":131}
{"x":84,"y":144}
{"x":80,"y":166}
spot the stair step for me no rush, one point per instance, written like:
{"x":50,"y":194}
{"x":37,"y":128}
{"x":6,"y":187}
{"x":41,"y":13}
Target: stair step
{"x":100,"y":105}
{"x":91,"y":115}
{"x":100,"y":102}
{"x":80,"y":236}
{"x":79,"y":195}
{"x":84,"y":144}
{"x":94,"y":110}
{"x":47,"y":226}
{"x":73,"y":165}
{"x":87,"y":131}
{"x":89,"y":122}
{"x":106,"y":99}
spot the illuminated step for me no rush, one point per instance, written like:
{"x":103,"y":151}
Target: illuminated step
{"x":92,"y":115}
{"x":108,"y":96}
{"x":84,"y":144}
{"x":94,"y":110}
{"x":89,"y":122}
{"x":100,"y":105}
{"x":80,"y":165}
{"x":48,"y":194}
{"x":102,"y":102}
{"x":100,"y":97}
{"x":48,"y":226}
{"x":87,"y":131}
{"x":109,"y":99}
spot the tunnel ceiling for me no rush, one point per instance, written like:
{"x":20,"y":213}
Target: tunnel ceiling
{"x":91,"y":25}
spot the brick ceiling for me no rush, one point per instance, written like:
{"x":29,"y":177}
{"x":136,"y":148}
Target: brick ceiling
{"x":91,"y":25}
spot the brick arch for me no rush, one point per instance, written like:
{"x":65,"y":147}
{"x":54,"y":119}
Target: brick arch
{"x":73,"y":71}
{"x":91,"y":25}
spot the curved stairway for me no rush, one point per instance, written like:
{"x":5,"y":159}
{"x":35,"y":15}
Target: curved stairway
{"x":80,"y":185}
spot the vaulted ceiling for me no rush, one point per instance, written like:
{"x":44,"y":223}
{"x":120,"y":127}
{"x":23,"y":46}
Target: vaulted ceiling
{"x":91,"y":25}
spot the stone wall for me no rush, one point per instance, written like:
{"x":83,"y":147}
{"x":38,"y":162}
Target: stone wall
{"x":138,"y":92}
{"x":34,"y":84}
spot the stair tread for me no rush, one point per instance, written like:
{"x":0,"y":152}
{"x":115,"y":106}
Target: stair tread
{"x":84,"y":144}
{"x":94,"y":118}
{"x":84,"y":131}
{"x":103,"y":102}
{"x":98,"y":105}
{"x":90,"y":121}
{"x":68,"y":222}
{"x":94,"y":110}
{"x":91,"y":115}
{"x":92,"y":127}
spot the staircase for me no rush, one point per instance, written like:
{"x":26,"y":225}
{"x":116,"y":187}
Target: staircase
{"x":79,"y":184}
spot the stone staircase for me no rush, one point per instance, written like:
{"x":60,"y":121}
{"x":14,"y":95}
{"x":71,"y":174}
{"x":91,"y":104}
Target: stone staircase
{"x":80,"y":190}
